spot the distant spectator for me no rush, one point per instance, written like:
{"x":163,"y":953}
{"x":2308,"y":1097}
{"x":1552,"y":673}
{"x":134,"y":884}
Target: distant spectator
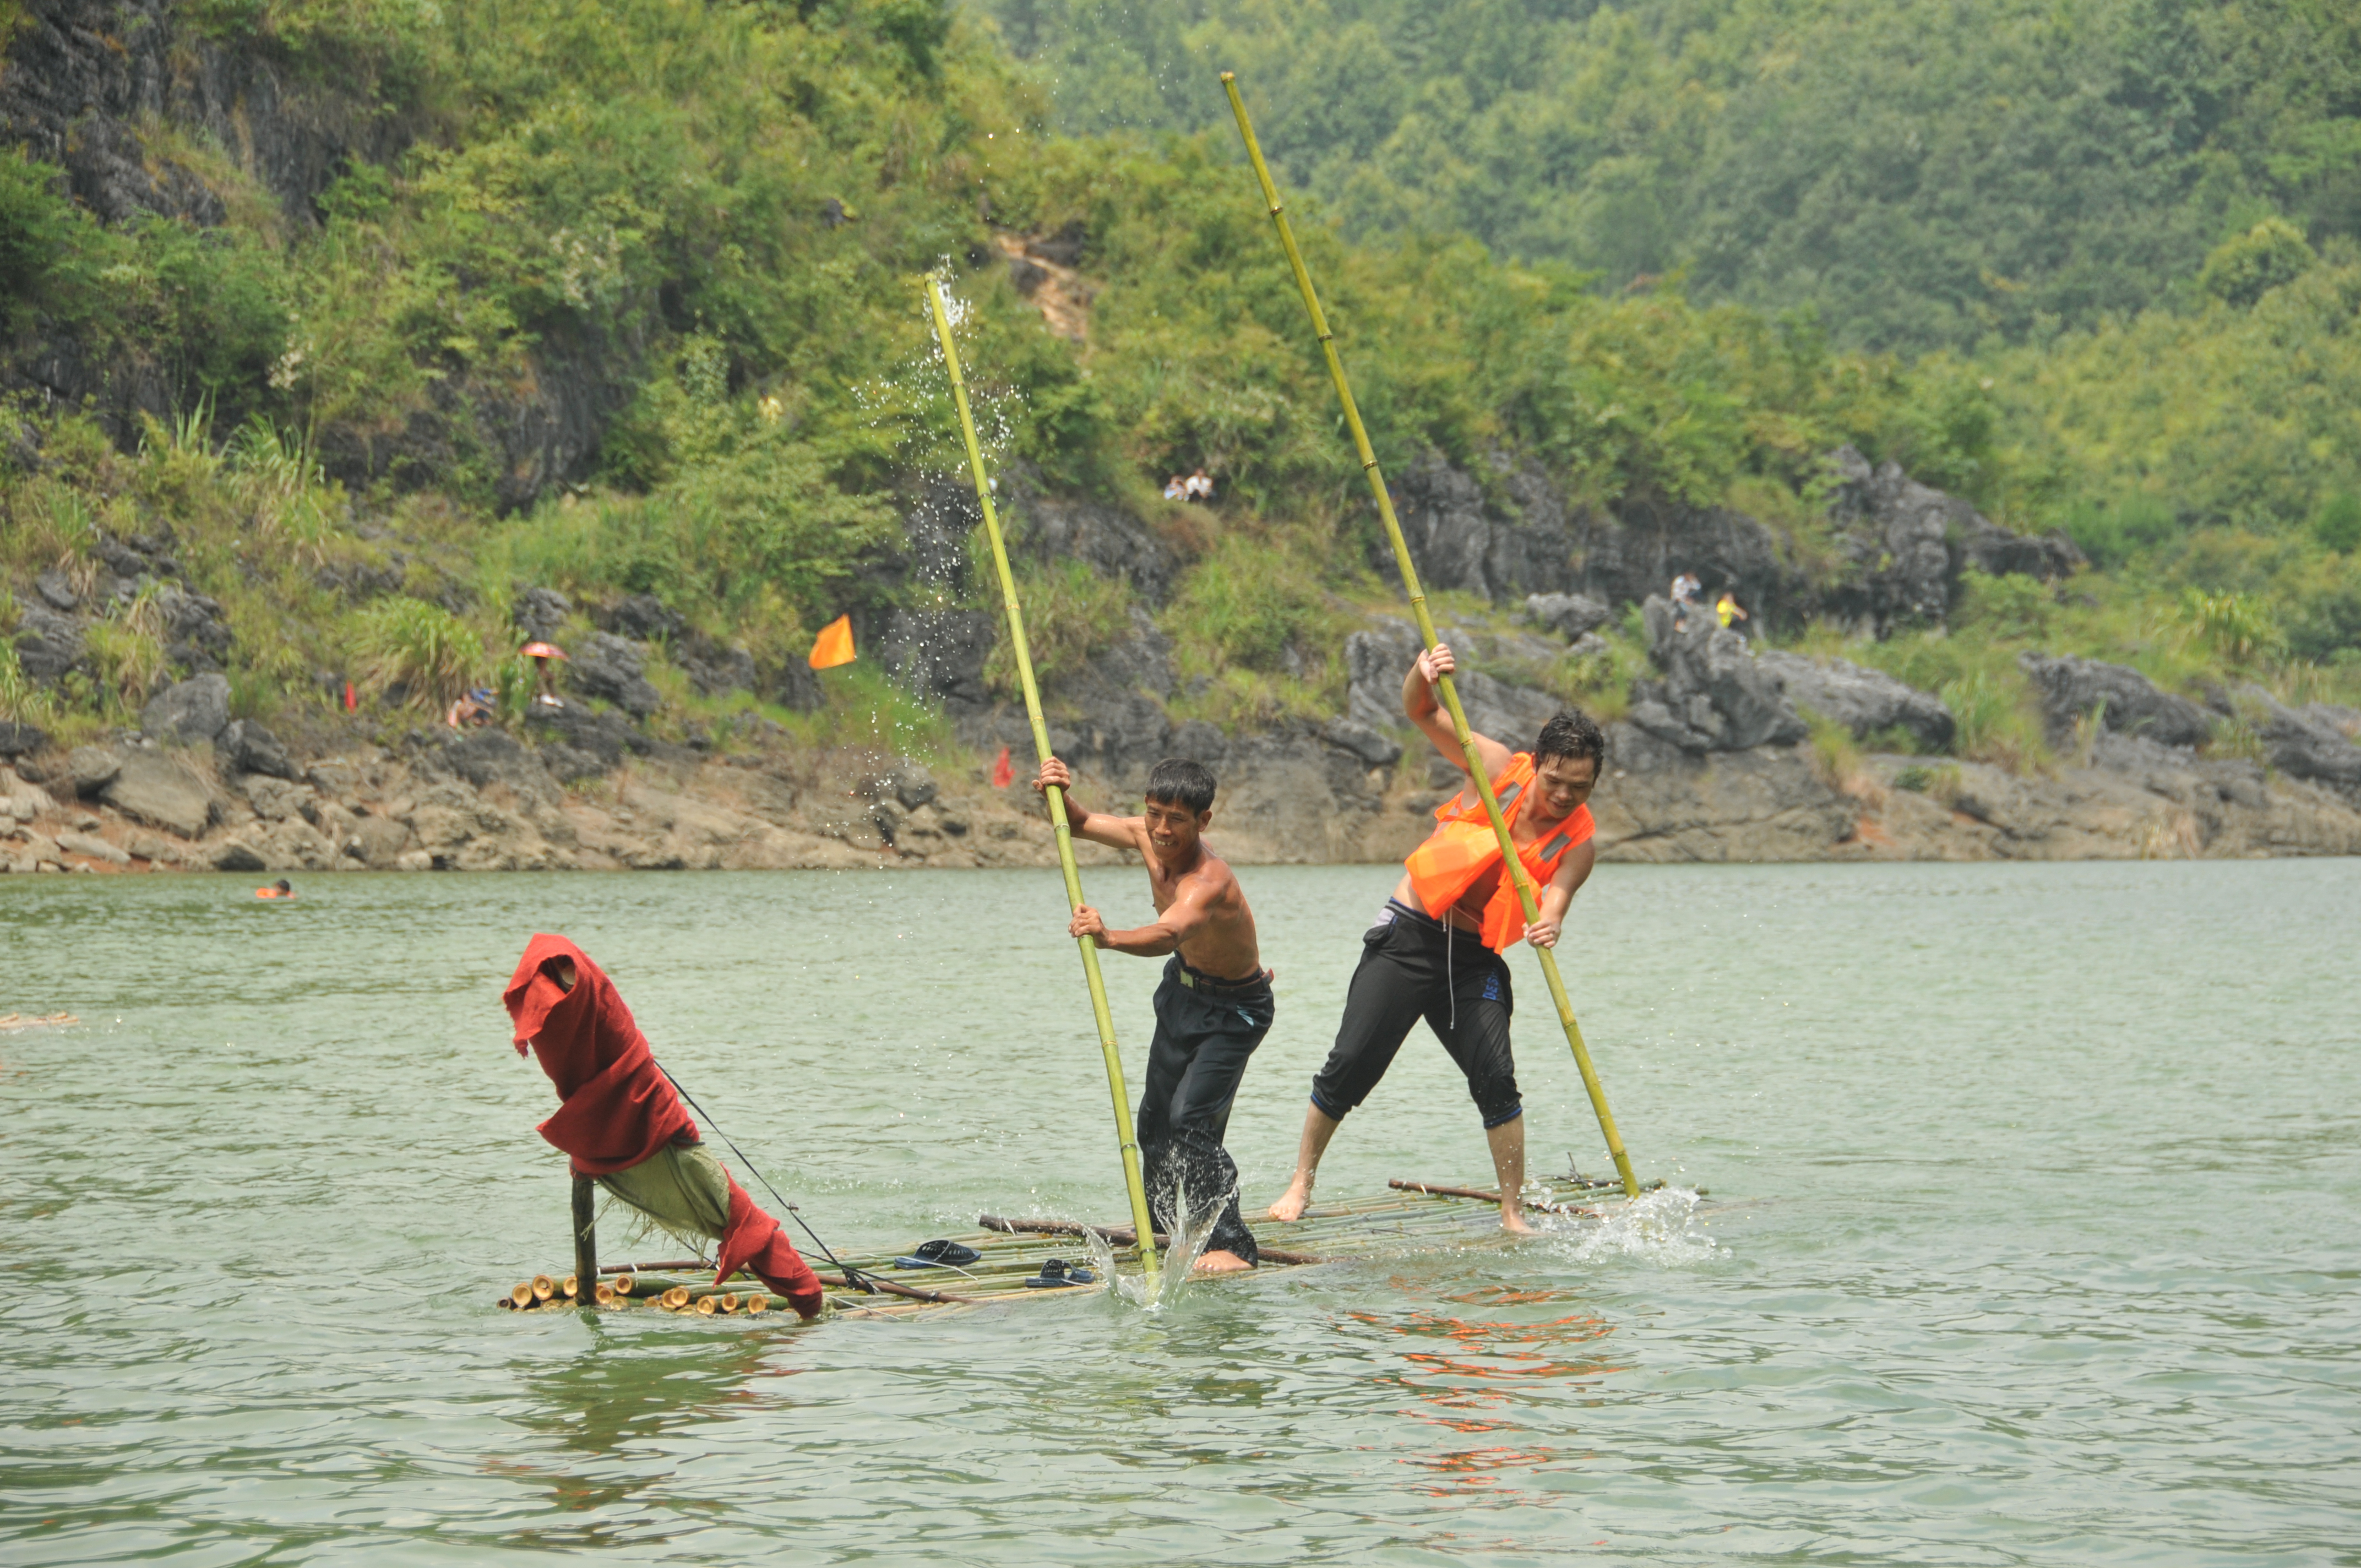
{"x":1199,"y":486}
{"x":1684,"y":593}
{"x":1175,"y":489}
{"x":1725,"y":609}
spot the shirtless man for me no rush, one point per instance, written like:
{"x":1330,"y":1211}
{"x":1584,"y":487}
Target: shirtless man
{"x":1212,"y":1011}
{"x":1435,"y":950}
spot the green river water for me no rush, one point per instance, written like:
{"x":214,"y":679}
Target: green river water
{"x":2036,"y":1193}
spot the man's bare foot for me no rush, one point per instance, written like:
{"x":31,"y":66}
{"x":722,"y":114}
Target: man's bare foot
{"x":1514,"y":1224}
{"x":1293,"y":1203}
{"x":1220,"y":1263}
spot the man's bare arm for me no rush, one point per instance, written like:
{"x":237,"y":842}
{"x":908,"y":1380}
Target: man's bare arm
{"x":1425,"y":709}
{"x":1098,"y":827}
{"x":1572,"y":872}
{"x":1189,"y":913}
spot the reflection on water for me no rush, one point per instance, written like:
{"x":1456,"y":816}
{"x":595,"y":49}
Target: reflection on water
{"x":2031,"y":1236}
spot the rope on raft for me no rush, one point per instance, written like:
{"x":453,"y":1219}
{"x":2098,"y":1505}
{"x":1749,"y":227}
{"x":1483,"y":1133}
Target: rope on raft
{"x":852,"y":1277}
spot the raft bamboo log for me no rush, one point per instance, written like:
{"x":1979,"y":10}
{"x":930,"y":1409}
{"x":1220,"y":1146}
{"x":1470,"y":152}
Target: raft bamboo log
{"x":653,"y":1267}
{"x":585,"y":1229}
{"x":1546,"y":1207}
{"x":1117,"y":1234}
{"x":1521,"y":879}
{"x":757,"y":1304}
{"x":543,"y":1287}
{"x":521,"y":1295}
{"x":625,"y":1283}
{"x":604,"y":1294}
{"x":891,"y":1289}
{"x":1054,"y":798}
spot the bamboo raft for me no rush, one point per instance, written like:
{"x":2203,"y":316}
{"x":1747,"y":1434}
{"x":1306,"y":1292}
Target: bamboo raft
{"x":1410,"y":1216}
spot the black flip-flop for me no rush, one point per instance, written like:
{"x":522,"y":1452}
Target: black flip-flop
{"x":1056,"y":1273}
{"x":937,"y":1254}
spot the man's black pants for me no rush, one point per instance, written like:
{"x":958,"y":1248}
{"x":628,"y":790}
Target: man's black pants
{"x":1205,"y":1031}
{"x":1413,"y":967}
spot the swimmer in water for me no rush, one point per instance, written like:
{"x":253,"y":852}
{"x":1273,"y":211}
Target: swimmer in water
{"x":279,"y":889}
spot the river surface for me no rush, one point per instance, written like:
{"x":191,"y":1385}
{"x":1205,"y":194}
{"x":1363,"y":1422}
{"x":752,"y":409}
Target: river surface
{"x":2031,"y":1236}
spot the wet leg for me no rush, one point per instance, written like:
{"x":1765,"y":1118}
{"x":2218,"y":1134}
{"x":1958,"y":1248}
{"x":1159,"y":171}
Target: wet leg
{"x":1318,"y":1128}
{"x":1508,"y":1141}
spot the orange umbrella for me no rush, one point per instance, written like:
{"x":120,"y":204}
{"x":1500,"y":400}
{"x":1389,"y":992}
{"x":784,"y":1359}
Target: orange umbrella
{"x":543,"y":650}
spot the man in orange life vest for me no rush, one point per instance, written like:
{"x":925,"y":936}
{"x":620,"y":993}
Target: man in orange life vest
{"x":1435,"y":950}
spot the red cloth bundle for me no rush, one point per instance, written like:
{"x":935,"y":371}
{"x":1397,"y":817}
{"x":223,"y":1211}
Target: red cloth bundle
{"x":619,"y":1109}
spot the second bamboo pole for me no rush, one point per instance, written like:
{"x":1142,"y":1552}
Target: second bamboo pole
{"x":1475,"y":774}
{"x":1133,"y":1183}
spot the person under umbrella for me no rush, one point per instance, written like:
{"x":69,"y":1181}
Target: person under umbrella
{"x":541,"y":654}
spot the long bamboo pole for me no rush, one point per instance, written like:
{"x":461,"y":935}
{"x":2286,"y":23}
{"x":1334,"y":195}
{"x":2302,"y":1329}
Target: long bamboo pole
{"x":1515,"y":867}
{"x":1056,"y":798}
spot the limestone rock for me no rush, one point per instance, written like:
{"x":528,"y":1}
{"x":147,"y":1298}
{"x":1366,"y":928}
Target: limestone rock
{"x":1906,"y":544}
{"x":159,"y":791}
{"x":59,"y":591}
{"x":2299,"y":745}
{"x":92,"y":846}
{"x":1715,"y":696}
{"x":614,"y":670}
{"x":93,"y":767}
{"x":2072,"y":688}
{"x":380,"y":840}
{"x":489,"y":757}
{"x":236,"y":855}
{"x":1374,"y":747}
{"x":192,"y":710}
{"x":20,"y":739}
{"x":276,"y":800}
{"x":1864,"y":701}
{"x":247,"y":747}
{"x":48,"y":643}
{"x":539,"y":612}
{"x":938,"y":654}
{"x":1571,"y":615}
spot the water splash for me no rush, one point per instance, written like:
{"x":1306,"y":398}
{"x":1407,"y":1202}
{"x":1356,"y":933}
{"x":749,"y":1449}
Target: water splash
{"x":1187,"y":1239}
{"x":1660,"y":1227}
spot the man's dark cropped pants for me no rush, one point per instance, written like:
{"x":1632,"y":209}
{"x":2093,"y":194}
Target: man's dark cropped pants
{"x":1205,"y":1031}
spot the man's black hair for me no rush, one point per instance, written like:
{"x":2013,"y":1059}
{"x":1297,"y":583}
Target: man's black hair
{"x":1176,"y":781}
{"x":1572,"y":733}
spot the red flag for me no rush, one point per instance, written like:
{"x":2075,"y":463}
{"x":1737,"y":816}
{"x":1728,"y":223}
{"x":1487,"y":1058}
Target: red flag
{"x":1003,"y":775}
{"x":351,"y":702}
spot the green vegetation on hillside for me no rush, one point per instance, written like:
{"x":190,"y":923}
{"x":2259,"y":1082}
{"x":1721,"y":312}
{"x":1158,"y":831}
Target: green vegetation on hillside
{"x":1923,"y":175}
{"x":710,"y":222}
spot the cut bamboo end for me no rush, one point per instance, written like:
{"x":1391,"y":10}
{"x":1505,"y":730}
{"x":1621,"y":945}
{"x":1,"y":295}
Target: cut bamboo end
{"x":504,"y":1304}
{"x":521,"y":1295}
{"x":604,"y":1294}
{"x":706,"y":1306}
{"x":675,"y":1299}
{"x":543,"y":1287}
{"x":625,"y":1284}
{"x":729,"y":1300}
{"x":757,"y":1303}
{"x":571,"y":1284}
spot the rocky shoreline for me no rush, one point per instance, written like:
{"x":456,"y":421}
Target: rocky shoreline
{"x":1344,"y":792}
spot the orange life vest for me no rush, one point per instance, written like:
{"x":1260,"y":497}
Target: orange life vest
{"x":1463,"y":847}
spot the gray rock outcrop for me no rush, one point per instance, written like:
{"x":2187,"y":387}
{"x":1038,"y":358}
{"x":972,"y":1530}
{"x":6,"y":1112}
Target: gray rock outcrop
{"x":938,"y":654}
{"x":1517,"y":540}
{"x":93,"y":768}
{"x":192,"y":710}
{"x":2129,"y":702}
{"x":1714,"y":695}
{"x":1571,"y":615}
{"x":1864,"y":701}
{"x":611,"y":669}
{"x":151,"y":787}
{"x":247,"y":747}
{"x":2297,"y":744}
{"x":48,"y":643}
{"x":1907,"y":543}
{"x":539,"y":612}
{"x":21,"y":739}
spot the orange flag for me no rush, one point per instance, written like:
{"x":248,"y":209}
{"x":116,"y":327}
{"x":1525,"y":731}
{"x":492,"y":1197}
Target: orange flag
{"x":833,"y":646}
{"x":1003,"y":775}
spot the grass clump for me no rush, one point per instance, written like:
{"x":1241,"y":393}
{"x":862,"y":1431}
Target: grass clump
{"x":420,"y":654}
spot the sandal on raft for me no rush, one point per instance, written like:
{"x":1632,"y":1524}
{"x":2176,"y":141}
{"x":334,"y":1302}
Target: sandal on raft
{"x":1056,"y":1274}
{"x":937,"y":1254}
